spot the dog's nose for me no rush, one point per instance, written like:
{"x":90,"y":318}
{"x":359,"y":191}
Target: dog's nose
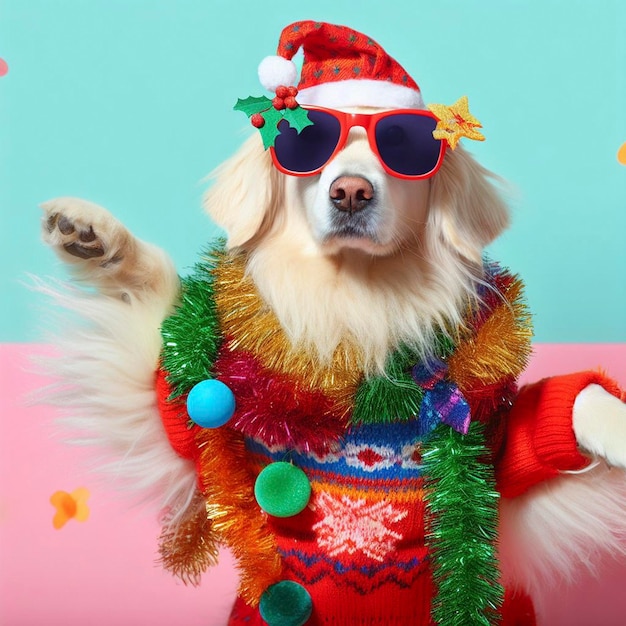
{"x":351,"y":193}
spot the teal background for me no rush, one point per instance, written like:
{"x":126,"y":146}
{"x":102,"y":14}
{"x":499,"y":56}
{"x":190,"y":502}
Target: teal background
{"x":129,"y":103}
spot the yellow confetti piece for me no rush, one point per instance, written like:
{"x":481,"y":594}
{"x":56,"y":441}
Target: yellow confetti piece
{"x":70,"y":506}
{"x":455,"y":121}
{"x":621,"y":154}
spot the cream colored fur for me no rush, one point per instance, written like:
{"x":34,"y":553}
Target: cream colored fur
{"x":411,"y":276}
{"x":605,"y":435}
{"x":416,"y":279}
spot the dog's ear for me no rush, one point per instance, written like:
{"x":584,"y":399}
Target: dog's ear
{"x":466,"y":209}
{"x":243,"y":199}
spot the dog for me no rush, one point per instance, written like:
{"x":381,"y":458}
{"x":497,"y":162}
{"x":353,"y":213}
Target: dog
{"x":351,"y":260}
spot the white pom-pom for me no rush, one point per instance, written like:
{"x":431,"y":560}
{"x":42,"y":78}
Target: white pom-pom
{"x":275,"y":71}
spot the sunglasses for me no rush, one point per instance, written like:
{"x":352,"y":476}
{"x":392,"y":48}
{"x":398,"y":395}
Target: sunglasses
{"x":401,"y":139}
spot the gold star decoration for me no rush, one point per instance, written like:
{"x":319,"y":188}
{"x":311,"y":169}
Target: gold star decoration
{"x":455,"y":121}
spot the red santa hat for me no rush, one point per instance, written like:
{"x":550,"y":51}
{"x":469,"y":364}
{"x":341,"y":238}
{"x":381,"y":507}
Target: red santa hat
{"x":342,"y":68}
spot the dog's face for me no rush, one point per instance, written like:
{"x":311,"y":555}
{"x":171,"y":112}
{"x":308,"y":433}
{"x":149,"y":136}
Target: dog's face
{"x":355,"y":205}
{"x":355,"y":254}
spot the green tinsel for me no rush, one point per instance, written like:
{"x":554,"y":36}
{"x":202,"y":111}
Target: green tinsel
{"x":191,"y":335}
{"x":461,"y":523}
{"x":394,"y":396}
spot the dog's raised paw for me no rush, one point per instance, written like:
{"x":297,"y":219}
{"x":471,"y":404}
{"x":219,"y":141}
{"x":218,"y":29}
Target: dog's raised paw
{"x":82,"y":229}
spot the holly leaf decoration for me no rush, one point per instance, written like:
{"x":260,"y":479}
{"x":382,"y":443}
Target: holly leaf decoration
{"x":298,"y":118}
{"x":252,"y":105}
{"x":269,"y":131}
{"x":265,"y":116}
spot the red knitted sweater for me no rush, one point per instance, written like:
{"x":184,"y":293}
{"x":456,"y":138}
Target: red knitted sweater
{"x":339,"y":547}
{"x":358,"y":550}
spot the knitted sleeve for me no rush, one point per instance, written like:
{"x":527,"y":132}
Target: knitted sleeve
{"x":540,"y":440}
{"x":181,"y":435}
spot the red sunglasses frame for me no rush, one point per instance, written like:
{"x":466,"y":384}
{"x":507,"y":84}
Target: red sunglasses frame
{"x":367,"y":121}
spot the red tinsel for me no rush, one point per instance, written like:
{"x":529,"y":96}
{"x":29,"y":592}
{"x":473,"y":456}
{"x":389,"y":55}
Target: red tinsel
{"x":277,"y":408}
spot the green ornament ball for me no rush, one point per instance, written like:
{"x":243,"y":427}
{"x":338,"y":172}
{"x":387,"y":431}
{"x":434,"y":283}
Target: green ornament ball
{"x":282,"y":489}
{"x":285,"y":604}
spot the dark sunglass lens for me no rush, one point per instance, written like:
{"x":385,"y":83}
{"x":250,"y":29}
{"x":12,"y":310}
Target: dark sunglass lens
{"x":406,"y":143}
{"x":310,"y":149}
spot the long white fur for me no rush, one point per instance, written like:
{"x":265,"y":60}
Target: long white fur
{"x":105,"y":386}
{"x":562,"y":527}
{"x":107,"y":351}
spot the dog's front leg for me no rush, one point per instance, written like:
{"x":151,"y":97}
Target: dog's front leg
{"x":599,"y":420}
{"x":103,"y":253}
{"x":105,"y":366}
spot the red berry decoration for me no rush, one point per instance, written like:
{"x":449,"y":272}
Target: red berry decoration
{"x":290,"y":102}
{"x":257,"y":120}
{"x":293,"y":91}
{"x":282,"y":92}
{"x":278,"y":103}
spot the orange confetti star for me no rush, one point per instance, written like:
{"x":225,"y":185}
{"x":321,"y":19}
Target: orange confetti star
{"x":455,"y":121}
{"x":70,"y":506}
{"x":621,"y":154}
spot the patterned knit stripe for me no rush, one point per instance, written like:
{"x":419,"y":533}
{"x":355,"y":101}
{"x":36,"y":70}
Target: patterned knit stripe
{"x":311,"y":568}
{"x":377,"y":453}
{"x":370,"y":490}
{"x":399,"y":491}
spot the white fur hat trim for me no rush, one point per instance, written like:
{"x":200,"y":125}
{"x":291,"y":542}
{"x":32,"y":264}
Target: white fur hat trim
{"x":361,"y":93}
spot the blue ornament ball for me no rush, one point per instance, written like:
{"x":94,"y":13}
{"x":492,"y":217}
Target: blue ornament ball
{"x":210,"y":403}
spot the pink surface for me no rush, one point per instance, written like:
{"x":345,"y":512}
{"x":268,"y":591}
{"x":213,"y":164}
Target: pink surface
{"x":103,"y":571}
{"x":100,"y":572}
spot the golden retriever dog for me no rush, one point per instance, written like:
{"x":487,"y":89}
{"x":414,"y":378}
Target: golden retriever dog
{"x":349,"y":256}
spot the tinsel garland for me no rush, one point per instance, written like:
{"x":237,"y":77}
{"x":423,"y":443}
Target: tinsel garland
{"x":394,"y":395}
{"x":191,"y":341}
{"x":498,"y":343}
{"x":188,"y":547}
{"x":389,"y":398}
{"x":280,"y":409}
{"x":191,"y":335}
{"x":235,"y":516}
{"x":461,"y":527}
{"x":221,"y":301}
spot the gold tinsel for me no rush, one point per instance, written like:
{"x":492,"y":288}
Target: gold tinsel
{"x":228,"y":486}
{"x":253,"y":327}
{"x":188,"y":546}
{"x":501,"y":346}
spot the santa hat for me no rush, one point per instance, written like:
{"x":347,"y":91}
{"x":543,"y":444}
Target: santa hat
{"x":341,"y":68}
